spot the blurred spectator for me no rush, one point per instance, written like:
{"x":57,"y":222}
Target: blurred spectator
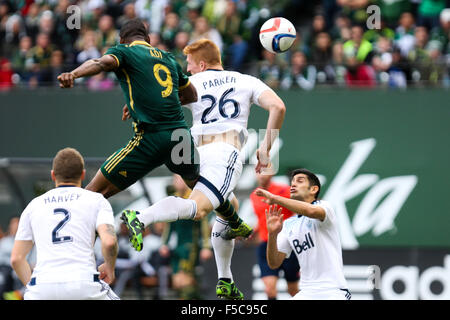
{"x":441,"y":34}
{"x":399,"y":72}
{"x":170,"y":29}
{"x":355,"y":10}
{"x":322,"y":58}
{"x":92,"y":10}
{"x":129,"y":13}
{"x":158,"y":9}
{"x":108,"y":34}
{"x":382,"y":59}
{"x":391,"y":10}
{"x":299,"y":74}
{"x":404,"y":33}
{"x":440,"y":37}
{"x":230,"y":27}
{"x":213,"y":9}
{"x":14,"y":30}
{"x":47,"y":76}
{"x":202,"y":30}
{"x":89,"y":45}
{"x":271,"y":68}
{"x":318,"y":26}
{"x":188,"y":15}
{"x":341,"y":28}
{"x":428,"y":13}
{"x":32,"y":20}
{"x":8,"y":279}
{"x":420,"y":57}
{"x":6,"y":75}
{"x":357,"y":59}
{"x":181,"y":41}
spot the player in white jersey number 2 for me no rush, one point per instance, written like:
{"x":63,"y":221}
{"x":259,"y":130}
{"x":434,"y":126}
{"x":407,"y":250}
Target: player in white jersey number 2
{"x":219,"y":129}
{"x":62,"y":224}
{"x":312,"y":235}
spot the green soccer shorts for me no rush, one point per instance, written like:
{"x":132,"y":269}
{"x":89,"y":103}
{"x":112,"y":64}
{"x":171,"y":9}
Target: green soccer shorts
{"x":148,"y":150}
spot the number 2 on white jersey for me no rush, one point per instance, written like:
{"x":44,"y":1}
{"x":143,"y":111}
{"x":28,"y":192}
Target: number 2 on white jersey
{"x":222,"y":102}
{"x":55,"y":237}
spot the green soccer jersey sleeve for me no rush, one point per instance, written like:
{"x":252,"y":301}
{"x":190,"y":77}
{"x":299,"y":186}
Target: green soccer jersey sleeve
{"x":117,"y":54}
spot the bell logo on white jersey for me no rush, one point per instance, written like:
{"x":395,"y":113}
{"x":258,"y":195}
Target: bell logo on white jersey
{"x":307,"y":244}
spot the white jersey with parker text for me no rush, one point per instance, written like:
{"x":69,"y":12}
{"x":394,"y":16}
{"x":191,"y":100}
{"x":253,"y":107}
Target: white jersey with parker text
{"x":318,"y":248}
{"x":62,"y":224}
{"x":224,"y":101}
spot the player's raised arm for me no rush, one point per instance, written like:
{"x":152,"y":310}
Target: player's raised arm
{"x":270,"y":101}
{"x":274,"y":220}
{"x":89,"y":68}
{"x":301,"y":207}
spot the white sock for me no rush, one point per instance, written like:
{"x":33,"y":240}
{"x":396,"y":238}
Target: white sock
{"x":223,"y":249}
{"x":167,"y":210}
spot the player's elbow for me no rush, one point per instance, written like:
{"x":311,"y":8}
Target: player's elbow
{"x":279,"y":108}
{"x":16,"y":260}
{"x":315,"y":212}
{"x":273,"y":264}
{"x":109,"y":243}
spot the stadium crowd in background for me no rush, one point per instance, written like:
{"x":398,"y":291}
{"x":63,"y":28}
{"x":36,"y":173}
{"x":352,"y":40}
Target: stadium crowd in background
{"x":333,"y":46}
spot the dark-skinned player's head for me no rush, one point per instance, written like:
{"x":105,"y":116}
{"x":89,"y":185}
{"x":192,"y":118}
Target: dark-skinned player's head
{"x":133,"y":30}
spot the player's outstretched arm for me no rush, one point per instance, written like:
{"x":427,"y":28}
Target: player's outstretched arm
{"x":274,"y":220}
{"x":110,"y":249}
{"x":270,"y":101}
{"x":89,"y":68}
{"x":19,"y":261}
{"x":300,"y":207}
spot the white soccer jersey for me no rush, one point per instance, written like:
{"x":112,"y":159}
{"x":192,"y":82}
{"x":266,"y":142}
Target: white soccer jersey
{"x":62,"y":224}
{"x":224,"y":101}
{"x":318,"y":248}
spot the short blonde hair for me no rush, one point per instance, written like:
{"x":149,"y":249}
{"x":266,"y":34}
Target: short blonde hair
{"x":204,"y":50}
{"x":68,"y":165}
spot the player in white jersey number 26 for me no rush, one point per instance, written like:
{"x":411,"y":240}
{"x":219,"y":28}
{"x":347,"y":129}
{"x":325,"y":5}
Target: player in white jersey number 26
{"x":219,"y":129}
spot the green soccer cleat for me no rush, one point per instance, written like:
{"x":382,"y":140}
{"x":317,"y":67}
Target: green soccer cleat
{"x":228,"y":290}
{"x":135,"y":228}
{"x":244,"y":231}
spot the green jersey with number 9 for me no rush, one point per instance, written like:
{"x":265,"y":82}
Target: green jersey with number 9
{"x":150,"y":79}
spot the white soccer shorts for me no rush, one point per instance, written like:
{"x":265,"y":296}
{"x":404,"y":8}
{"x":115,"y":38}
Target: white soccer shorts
{"x":220,"y":170}
{"x":72,"y":290}
{"x":323,"y":294}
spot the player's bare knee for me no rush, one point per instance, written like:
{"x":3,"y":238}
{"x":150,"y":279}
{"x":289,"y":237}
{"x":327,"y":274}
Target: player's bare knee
{"x":200,"y":214}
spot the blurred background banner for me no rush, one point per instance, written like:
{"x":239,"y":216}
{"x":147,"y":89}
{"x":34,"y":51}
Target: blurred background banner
{"x":382,"y":155}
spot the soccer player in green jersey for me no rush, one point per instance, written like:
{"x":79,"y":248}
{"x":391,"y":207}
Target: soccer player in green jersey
{"x":154,"y":87}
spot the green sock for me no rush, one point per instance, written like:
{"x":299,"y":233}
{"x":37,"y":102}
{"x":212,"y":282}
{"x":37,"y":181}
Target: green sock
{"x":227,"y":212}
